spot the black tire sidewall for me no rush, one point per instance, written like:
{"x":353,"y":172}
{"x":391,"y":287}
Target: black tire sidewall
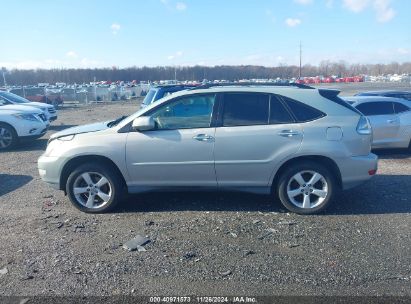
{"x":306,"y":166}
{"x":108,"y":173}
{"x":14,"y":136}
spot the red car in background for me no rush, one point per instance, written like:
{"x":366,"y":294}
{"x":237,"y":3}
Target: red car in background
{"x":328,"y":80}
{"x":39,"y":95}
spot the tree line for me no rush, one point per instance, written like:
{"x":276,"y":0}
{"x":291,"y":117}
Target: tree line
{"x":232,"y":73}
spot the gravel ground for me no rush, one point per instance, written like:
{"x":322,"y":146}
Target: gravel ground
{"x":201,"y":243}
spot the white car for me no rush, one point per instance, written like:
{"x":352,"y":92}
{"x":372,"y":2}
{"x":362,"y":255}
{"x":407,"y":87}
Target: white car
{"x":20,"y":122}
{"x":390,"y":119}
{"x":10,"y":98}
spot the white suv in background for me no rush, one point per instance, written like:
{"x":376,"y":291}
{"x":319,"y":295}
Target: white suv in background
{"x":20,"y":122}
{"x":298,"y":143}
{"x":10,"y":98}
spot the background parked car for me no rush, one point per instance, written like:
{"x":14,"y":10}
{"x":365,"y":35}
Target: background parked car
{"x":39,"y":94}
{"x":160,"y":91}
{"x":390,"y":119}
{"x":396,"y":94}
{"x":20,"y":122}
{"x":10,"y":98}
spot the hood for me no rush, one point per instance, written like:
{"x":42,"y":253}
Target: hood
{"x":99,"y":126}
{"x":22,"y":109}
{"x":38,"y":105}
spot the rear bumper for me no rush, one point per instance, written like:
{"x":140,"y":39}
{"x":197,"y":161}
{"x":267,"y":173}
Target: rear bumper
{"x":358,"y":169}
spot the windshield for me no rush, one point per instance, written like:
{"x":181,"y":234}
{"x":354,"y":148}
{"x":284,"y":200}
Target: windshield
{"x":13,"y":97}
{"x":149,"y":97}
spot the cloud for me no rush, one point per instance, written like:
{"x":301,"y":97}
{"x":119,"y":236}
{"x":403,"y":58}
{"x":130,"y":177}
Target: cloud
{"x":115,"y":27}
{"x":291,"y":22}
{"x":356,"y":5}
{"x":384,"y":11}
{"x":175,"y":55}
{"x":181,"y":6}
{"x":303,"y":2}
{"x":382,"y":8}
{"x":403,"y":51}
{"x":71,"y":54}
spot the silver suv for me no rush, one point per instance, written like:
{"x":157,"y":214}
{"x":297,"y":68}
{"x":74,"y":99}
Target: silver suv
{"x":297,"y":143}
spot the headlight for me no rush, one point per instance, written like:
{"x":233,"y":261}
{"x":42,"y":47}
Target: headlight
{"x":30,"y":117}
{"x":54,"y":145}
{"x":66,"y":138}
{"x":63,"y":138}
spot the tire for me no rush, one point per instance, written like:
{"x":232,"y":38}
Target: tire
{"x":8,"y":137}
{"x":104,"y":197}
{"x":298,"y":195}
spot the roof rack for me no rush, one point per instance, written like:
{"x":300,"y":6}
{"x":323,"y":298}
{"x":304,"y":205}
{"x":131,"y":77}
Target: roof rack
{"x":244,"y":84}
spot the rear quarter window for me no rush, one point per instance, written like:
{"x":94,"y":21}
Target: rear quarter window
{"x":400,"y":108}
{"x":301,"y":111}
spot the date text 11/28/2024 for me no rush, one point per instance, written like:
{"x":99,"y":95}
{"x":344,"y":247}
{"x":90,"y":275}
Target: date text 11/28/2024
{"x":202,"y":299}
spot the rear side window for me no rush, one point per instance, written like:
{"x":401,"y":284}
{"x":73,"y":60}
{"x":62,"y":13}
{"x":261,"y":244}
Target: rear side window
{"x":301,"y":111}
{"x":278,"y":113}
{"x":376,"y":108}
{"x":400,"y":108}
{"x":245,"y":109}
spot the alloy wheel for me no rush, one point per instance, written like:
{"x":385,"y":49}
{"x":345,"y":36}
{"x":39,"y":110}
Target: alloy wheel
{"x":307,"y":189}
{"x":6,"y":138}
{"x":92,"y":190}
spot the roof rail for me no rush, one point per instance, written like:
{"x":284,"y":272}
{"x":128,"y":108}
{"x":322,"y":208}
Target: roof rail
{"x":244,"y":84}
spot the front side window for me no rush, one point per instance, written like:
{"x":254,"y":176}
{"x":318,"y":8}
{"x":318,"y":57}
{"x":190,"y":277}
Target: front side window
{"x":376,"y":108}
{"x":185,"y":113}
{"x":4,"y":101}
{"x":245,"y":109}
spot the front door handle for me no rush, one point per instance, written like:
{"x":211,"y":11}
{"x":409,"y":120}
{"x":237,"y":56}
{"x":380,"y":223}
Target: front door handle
{"x":288,"y":133}
{"x":203,"y":137}
{"x":391,"y":121}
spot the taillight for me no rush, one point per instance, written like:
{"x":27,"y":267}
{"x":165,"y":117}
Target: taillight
{"x":364,"y":126}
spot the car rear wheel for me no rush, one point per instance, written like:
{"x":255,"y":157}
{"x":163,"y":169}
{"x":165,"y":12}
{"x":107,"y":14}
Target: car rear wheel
{"x":8,"y":137}
{"x":94,"y":188}
{"x":306,"y":188}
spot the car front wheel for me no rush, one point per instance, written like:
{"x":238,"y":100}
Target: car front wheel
{"x":306,"y":188}
{"x":94,"y":188}
{"x":8,"y":137}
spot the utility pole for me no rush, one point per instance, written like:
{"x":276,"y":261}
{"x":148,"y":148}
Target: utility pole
{"x":175,"y":74}
{"x":3,"y":69}
{"x":301,"y":53}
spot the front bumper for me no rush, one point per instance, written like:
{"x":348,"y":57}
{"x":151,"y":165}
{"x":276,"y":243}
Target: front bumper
{"x":50,"y":168}
{"x":358,"y":169}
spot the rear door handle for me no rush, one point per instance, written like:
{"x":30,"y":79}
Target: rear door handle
{"x":391,"y":121}
{"x":203,"y":137}
{"x":288,"y":133}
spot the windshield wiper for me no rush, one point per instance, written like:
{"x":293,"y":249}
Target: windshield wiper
{"x":116,"y":122}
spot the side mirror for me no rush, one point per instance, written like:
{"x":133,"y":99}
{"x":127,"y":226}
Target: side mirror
{"x":143,"y":123}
